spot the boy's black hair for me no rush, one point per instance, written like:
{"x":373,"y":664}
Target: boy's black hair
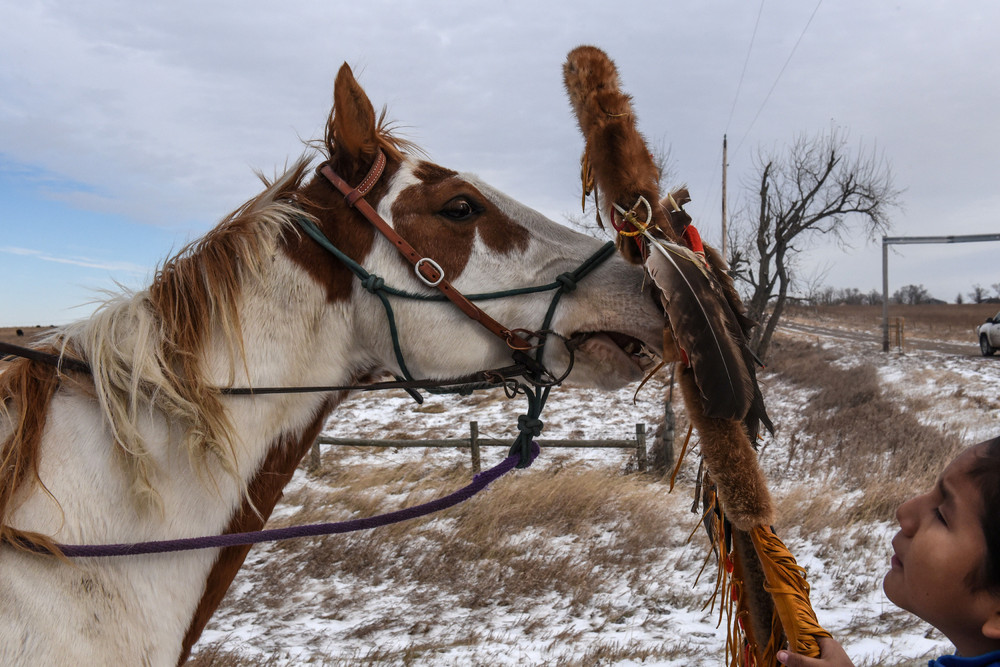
{"x":986,"y":473}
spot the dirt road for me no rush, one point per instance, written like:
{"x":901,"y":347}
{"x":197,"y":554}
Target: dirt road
{"x":970,"y":349}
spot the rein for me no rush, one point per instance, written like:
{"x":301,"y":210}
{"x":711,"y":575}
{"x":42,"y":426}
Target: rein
{"x":464,"y":384}
{"x":479,"y":482}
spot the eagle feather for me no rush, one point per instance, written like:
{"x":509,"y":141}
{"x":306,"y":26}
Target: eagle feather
{"x":704,"y":327}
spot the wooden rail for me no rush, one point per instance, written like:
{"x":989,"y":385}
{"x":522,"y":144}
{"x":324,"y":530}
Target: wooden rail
{"x":474,"y":442}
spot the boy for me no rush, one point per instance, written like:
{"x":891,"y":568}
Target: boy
{"x":946,"y":563}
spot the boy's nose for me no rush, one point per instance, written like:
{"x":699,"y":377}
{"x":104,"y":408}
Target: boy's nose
{"x":907,"y":516}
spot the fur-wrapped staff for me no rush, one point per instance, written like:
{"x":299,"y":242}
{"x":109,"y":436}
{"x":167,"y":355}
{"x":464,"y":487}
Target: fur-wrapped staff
{"x":706,"y":335}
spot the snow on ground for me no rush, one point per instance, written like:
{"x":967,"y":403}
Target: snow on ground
{"x":956,"y":392}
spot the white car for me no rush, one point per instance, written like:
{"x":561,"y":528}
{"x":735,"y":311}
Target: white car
{"x":989,"y":335}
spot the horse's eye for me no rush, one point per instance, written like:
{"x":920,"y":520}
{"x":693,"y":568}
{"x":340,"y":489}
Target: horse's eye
{"x":460,"y":209}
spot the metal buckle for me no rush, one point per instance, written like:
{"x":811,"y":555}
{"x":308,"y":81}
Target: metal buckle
{"x":435,"y":266}
{"x":630,"y":217}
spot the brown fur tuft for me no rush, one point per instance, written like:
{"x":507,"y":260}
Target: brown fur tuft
{"x":732,"y":462}
{"x":623,"y":169}
{"x":704,"y":310}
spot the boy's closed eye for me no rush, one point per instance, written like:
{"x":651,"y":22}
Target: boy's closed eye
{"x":946,"y":498}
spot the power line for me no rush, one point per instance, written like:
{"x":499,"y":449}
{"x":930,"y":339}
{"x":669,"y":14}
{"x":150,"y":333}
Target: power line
{"x":778,"y":78}
{"x":746,"y":61}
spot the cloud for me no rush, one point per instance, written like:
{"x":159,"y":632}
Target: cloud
{"x":158,"y":113}
{"x":86,"y":262}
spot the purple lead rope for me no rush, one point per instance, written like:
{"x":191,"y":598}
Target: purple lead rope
{"x":479,"y":482}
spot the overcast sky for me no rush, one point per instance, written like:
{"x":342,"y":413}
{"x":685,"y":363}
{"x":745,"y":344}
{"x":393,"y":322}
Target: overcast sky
{"x":128,"y":129}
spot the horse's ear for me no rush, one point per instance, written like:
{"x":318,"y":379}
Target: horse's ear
{"x":351,"y":135}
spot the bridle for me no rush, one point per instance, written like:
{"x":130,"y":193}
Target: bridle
{"x":429,"y":271}
{"x":538,"y":379}
{"x":528,"y":368}
{"x":432,"y":275}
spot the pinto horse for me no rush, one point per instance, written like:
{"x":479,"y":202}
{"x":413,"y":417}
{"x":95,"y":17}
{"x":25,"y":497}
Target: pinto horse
{"x":140,"y":444}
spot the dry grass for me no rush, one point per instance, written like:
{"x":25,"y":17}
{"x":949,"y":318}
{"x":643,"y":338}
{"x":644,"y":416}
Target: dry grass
{"x":859,"y":433}
{"x":563,"y":531}
{"x":537,"y":534}
{"x":954,"y":322}
{"x":502,"y":545}
{"x":216,"y":655}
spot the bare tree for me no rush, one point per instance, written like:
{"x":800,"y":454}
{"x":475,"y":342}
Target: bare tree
{"x":812,"y":193}
{"x":911,"y":295}
{"x":978,"y":293}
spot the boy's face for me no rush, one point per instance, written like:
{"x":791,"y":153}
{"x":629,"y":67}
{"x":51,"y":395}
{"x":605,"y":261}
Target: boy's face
{"x":939,"y":545}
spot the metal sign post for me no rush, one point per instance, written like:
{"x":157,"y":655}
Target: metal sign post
{"x":903,"y":240}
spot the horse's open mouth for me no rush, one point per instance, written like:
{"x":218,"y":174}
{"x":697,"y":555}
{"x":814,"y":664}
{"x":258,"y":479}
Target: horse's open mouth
{"x":614,"y":347}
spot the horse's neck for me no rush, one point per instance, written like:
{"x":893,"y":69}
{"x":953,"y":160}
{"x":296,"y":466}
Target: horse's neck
{"x":287,"y":343}
{"x":291,"y":336}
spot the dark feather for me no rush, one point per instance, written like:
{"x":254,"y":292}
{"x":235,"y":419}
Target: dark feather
{"x":757,"y":415}
{"x":706,"y":328}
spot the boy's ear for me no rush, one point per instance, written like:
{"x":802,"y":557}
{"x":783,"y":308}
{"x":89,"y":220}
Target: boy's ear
{"x":991,"y":628}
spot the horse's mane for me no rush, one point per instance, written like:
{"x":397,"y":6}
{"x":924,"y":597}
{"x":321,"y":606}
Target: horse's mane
{"x":146,"y":348}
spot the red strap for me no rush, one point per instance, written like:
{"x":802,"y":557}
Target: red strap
{"x":693,"y":239}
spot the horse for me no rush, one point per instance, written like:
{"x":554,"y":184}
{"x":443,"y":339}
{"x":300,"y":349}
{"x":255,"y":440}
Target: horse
{"x":135,"y":441}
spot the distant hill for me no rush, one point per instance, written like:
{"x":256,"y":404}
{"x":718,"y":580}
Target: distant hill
{"x":28,"y":334}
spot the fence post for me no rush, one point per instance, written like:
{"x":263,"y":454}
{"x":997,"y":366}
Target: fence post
{"x":474,"y":445}
{"x":640,"y":446}
{"x":663,"y":443}
{"x":314,"y":456}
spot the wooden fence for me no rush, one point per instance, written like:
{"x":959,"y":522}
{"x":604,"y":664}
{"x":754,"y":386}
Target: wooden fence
{"x":474,"y":442}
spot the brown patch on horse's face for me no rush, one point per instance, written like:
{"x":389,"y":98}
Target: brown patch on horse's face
{"x":265,"y":489}
{"x":346,"y":229}
{"x":430,"y":216}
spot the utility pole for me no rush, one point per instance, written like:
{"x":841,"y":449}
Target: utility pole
{"x":724,"y":151}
